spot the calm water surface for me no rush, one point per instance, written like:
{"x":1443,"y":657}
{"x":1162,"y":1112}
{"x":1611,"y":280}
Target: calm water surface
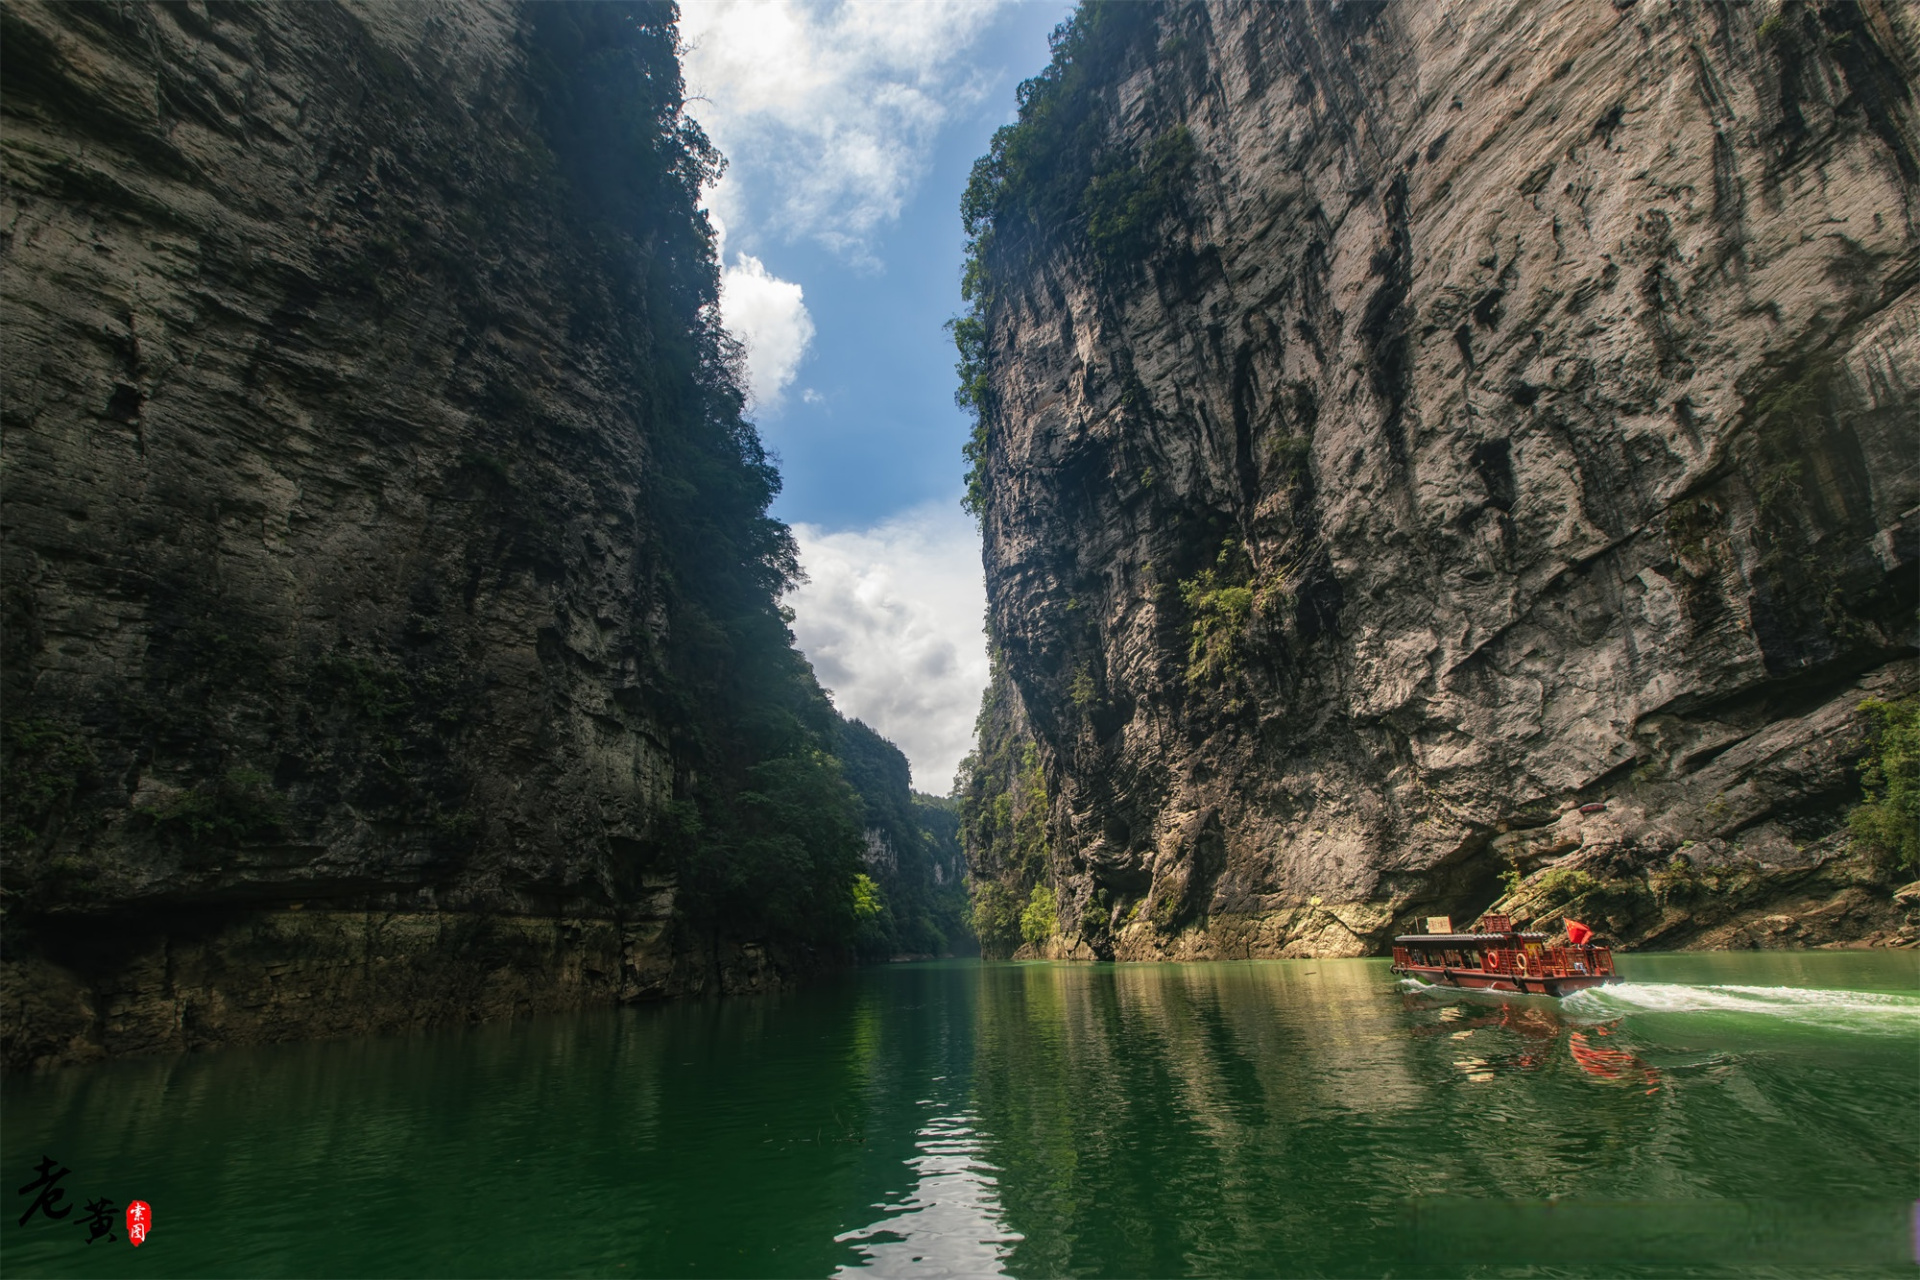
{"x":1715,"y":1115}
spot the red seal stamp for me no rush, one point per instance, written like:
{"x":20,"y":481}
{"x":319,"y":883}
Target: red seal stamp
{"x":139,"y":1222}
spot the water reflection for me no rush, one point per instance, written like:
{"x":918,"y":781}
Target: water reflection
{"x":1530,"y":1034}
{"x":1249,"y":1118}
{"x":1604,"y":1063}
{"x":1183,"y":1119}
{"x":1299,"y":1118}
{"x":949,"y":1223}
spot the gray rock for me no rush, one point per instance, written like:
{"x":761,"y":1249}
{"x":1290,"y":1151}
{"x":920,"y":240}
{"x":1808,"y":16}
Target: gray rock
{"x":1547,"y":373}
{"x":336,"y":634}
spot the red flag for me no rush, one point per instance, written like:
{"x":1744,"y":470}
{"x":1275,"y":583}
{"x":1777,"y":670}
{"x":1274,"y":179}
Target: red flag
{"x":1578,"y":934}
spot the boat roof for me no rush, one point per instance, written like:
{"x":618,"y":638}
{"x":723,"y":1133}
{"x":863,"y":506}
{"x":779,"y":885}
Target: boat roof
{"x":1465,"y":939}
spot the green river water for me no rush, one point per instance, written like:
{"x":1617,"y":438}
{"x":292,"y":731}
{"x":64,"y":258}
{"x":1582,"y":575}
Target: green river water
{"x":1740,"y":1114}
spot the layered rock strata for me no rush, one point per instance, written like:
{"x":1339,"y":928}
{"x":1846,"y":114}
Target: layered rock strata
{"x":1513,"y":410}
{"x":345,"y":682}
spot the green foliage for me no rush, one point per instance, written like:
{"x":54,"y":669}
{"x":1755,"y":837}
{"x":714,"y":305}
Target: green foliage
{"x":1693,"y":528}
{"x":970,"y":339}
{"x":1080,"y":690}
{"x":1094,"y":916}
{"x":1888,"y":819}
{"x":868,"y":902}
{"x":1292,"y":454}
{"x":996,"y":917}
{"x":1037,"y":172}
{"x":948,"y":907}
{"x":1004,"y":812}
{"x":873,"y":933}
{"x":1677,"y":883}
{"x":240,"y":805}
{"x":771,"y":841}
{"x":782,"y":862}
{"x":924,"y":907}
{"x":1219,"y":602}
{"x":44,"y":766}
{"x":1124,"y":206}
{"x":369,"y":689}
{"x":491,"y":471}
{"x":1037,"y":919}
{"x":1564,"y":885}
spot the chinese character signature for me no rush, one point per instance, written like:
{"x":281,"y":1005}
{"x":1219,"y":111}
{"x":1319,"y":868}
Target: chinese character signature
{"x":51,"y":1192}
{"x":99,"y":1213}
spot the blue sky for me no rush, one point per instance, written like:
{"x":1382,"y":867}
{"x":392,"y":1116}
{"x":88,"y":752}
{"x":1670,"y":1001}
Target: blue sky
{"x":850,"y":129}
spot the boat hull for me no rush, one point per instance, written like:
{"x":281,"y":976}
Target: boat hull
{"x":1518,"y":984}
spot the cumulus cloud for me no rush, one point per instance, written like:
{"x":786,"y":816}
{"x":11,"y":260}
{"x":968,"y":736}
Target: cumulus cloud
{"x":891,"y":619}
{"x":769,"y":317}
{"x":827,"y":112}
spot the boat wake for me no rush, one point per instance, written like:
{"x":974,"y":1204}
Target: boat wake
{"x":1872,"y":1012}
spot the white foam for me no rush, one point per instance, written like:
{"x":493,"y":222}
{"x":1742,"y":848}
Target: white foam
{"x":1870,"y":1011}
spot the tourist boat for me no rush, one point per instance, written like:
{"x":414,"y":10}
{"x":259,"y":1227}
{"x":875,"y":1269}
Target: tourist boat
{"x":1495,"y":956}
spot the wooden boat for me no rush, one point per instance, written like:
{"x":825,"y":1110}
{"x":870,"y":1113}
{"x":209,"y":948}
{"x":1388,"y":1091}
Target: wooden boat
{"x":1495,"y":956}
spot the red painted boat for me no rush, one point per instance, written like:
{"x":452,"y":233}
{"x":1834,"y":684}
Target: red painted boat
{"x":1495,"y":956}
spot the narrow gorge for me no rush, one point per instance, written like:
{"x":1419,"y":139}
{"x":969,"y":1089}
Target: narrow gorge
{"x":391,"y":609}
{"x":1432,"y":456}
{"x":1427,"y":458}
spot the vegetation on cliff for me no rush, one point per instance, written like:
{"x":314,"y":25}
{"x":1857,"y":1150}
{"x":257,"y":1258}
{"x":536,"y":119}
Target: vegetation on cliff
{"x":1003,"y":809}
{"x":511,"y":640}
{"x":1055,"y":169}
{"x":911,"y":898}
{"x":1888,"y":820}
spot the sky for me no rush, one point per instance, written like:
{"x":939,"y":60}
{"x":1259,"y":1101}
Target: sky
{"x":849,"y":130}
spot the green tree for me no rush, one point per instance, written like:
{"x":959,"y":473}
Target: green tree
{"x":1037,"y":922}
{"x":1888,"y":820}
{"x":873,"y":932}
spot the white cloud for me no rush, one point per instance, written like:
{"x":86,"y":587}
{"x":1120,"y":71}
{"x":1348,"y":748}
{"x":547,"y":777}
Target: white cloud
{"x":891,"y":620}
{"x":769,"y":317}
{"x":827,"y":111}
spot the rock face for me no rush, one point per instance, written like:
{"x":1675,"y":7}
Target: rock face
{"x":1512,"y":409}
{"x":356,"y":670}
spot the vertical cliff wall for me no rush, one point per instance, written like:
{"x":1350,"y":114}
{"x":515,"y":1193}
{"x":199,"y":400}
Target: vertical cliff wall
{"x":1422,"y":444}
{"x":391,"y":628}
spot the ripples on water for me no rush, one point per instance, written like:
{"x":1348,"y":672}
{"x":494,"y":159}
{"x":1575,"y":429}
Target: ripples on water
{"x":1715,"y":1115}
{"x":949,"y":1223}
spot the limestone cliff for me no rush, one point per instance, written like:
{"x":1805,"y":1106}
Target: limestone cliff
{"x":391,"y":626}
{"x":1406,"y":426}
